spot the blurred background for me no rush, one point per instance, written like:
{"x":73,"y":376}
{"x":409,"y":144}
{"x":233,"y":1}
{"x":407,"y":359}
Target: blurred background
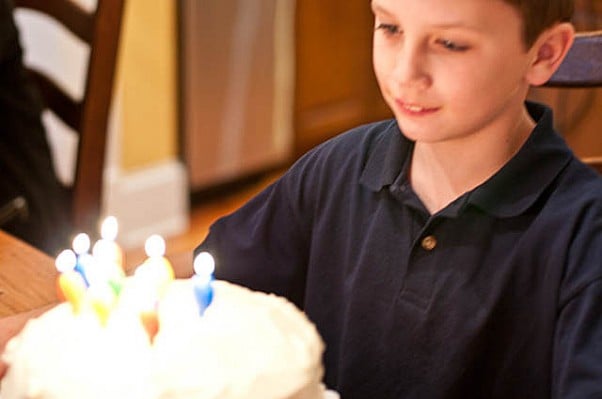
{"x":213,"y":93}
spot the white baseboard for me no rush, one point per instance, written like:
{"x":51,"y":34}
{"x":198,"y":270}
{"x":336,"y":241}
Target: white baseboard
{"x":153,"y":200}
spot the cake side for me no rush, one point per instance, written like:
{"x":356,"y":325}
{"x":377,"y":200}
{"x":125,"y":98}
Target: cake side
{"x":254,"y":345}
{"x":61,"y":356}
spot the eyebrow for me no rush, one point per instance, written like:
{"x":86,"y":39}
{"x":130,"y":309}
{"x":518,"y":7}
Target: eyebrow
{"x":455,"y":25}
{"x":377,"y":8}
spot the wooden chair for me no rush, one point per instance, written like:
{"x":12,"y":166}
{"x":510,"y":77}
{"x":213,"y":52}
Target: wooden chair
{"x":582,"y":68}
{"x":88,"y":116}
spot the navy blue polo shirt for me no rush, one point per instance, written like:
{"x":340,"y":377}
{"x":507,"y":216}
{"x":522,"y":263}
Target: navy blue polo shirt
{"x":498,"y":295}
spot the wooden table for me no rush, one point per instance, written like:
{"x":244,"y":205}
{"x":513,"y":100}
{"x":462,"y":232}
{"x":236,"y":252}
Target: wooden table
{"x":27,"y":277}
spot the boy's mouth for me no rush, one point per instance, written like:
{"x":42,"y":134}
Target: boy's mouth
{"x":412,"y":108}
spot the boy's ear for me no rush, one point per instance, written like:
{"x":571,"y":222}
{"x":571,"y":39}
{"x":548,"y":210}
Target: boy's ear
{"x":548,"y":52}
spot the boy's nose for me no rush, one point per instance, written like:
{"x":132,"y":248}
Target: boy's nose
{"x":411,"y":69}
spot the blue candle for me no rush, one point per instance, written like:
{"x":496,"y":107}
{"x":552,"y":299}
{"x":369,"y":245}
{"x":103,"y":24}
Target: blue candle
{"x":204,"y":265}
{"x":81,"y":245}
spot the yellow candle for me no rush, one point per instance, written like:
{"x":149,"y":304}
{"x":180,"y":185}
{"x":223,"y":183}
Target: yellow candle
{"x":156,"y":267}
{"x":160,"y":268}
{"x":72,"y":288}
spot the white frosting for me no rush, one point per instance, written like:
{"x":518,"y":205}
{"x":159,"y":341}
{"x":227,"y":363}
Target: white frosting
{"x":246,"y":345}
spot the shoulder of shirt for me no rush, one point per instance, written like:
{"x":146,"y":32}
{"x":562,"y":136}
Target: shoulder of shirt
{"x":356,"y":143}
{"x":337,"y":162}
{"x":584,"y":183}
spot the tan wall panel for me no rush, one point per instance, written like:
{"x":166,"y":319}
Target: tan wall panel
{"x":147,"y":73}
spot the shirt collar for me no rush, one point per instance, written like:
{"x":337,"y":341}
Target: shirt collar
{"x":511,"y":191}
{"x":389,"y":156}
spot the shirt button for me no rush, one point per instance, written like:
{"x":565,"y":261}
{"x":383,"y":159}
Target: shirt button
{"x":429,"y":243}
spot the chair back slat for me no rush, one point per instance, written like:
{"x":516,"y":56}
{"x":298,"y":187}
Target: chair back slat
{"x":68,"y":13}
{"x":582,"y":66}
{"x":67,"y":109}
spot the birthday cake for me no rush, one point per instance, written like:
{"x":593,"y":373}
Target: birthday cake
{"x":231,"y":343}
{"x":246,"y":345}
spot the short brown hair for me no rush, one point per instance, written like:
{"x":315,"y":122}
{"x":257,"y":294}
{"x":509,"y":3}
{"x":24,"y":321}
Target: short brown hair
{"x":539,"y":15}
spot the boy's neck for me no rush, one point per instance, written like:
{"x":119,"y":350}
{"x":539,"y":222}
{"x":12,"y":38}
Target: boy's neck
{"x":442,"y":172}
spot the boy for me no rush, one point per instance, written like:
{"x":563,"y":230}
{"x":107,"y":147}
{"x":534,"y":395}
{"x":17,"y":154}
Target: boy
{"x":453,"y":252}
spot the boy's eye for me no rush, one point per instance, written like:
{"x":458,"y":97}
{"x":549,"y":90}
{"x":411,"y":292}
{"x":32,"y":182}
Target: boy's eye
{"x":451,"y":45}
{"x":389,"y":29}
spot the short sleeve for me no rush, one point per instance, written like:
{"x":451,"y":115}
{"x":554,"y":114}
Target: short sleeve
{"x":577,"y":369}
{"x":263,"y":245}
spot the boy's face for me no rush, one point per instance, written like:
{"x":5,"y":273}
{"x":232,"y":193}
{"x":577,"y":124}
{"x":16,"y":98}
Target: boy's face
{"x":451,"y":69}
